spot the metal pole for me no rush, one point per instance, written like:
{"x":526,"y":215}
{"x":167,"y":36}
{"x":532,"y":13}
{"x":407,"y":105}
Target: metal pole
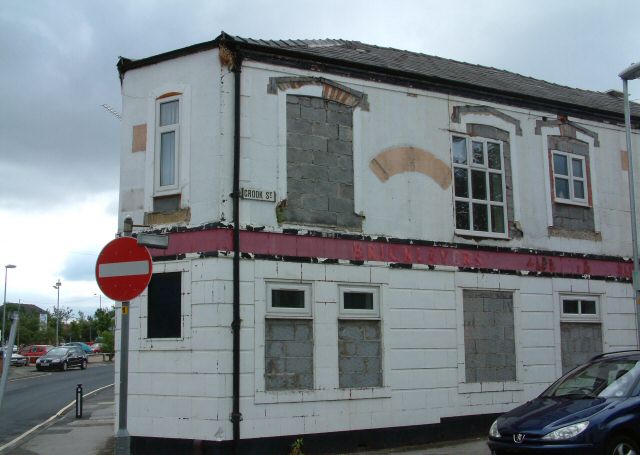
{"x":57,"y":287}
{"x":7,"y":356}
{"x":4,"y":304}
{"x":123,"y":439}
{"x":4,"y":308}
{"x":632,"y":201}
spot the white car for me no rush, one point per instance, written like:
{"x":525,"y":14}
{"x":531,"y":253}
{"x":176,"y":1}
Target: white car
{"x":19,"y":360}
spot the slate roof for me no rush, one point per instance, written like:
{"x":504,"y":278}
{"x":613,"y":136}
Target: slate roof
{"x":427,"y":68}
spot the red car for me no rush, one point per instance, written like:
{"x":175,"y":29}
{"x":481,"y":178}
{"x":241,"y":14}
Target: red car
{"x":35,"y":351}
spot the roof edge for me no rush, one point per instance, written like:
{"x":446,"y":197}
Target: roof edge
{"x":125,"y":64}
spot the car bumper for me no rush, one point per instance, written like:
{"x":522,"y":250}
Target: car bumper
{"x":511,"y":448}
{"x":50,"y":366}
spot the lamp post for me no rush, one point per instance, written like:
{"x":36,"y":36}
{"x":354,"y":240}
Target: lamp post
{"x":629,"y":74}
{"x":100,"y":301}
{"x":4,"y":302}
{"x":57,"y":288}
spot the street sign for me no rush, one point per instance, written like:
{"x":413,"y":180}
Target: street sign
{"x":123,"y":269}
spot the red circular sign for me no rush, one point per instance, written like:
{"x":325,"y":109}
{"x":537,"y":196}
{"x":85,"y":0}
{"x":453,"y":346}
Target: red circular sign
{"x":123,"y":269}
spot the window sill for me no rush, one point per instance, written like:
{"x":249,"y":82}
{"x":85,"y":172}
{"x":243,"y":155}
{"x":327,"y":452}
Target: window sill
{"x":480,"y":387}
{"x":481,"y":235}
{"x":585,"y":319}
{"x":165,"y":344}
{"x":305,"y":396}
{"x":574,"y":234}
{"x":584,"y":204}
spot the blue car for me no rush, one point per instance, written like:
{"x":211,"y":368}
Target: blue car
{"x":593,"y":409}
{"x":85,"y":347}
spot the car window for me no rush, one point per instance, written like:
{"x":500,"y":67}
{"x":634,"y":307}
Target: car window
{"x":605,"y":379}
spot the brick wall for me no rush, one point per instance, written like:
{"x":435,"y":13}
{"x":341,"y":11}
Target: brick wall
{"x":360,"y":362}
{"x":288,"y":354}
{"x":489,"y":336}
{"x":319,"y":163}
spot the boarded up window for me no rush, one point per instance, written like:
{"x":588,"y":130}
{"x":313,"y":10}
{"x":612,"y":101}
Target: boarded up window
{"x":360,"y":360}
{"x":288,"y":354}
{"x":580,"y":342}
{"x":319,"y":163}
{"x":164,"y":306}
{"x":489,"y":344}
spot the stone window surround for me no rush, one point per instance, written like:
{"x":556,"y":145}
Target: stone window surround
{"x":466,"y":118}
{"x":317,"y":91}
{"x":163,"y":344}
{"x":183,"y":153}
{"x":570,"y":317}
{"x":326,"y":392}
{"x":570,"y":130}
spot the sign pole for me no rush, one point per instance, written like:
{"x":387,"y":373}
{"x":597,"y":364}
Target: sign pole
{"x":123,"y":439}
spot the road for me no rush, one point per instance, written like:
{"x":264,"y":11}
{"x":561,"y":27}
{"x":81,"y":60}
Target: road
{"x":31,"y":399}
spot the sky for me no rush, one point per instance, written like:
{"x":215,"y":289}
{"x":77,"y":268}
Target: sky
{"x":59,"y":147}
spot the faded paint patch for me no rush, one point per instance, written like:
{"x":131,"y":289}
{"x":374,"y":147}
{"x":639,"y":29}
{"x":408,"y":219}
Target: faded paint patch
{"x":410,"y":159}
{"x":139,"y":142}
{"x":168,"y":95}
{"x":624,"y":160}
{"x":179,"y":216}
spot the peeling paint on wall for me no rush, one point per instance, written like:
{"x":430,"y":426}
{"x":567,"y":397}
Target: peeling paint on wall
{"x":139,"y":142}
{"x":410,"y":159}
{"x":624,"y":160}
{"x":179,"y":216}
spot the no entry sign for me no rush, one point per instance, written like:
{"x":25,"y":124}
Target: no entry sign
{"x":123,"y":269}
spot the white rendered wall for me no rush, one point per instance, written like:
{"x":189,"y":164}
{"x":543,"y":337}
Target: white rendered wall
{"x":182,"y":388}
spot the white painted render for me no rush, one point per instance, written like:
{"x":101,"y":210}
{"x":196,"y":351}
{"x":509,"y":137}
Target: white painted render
{"x":408,"y":205}
{"x":181,"y":388}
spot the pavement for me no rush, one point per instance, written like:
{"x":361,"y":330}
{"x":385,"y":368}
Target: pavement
{"x":93,"y":433}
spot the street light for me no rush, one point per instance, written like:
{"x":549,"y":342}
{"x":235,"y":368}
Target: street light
{"x":100,"y":296}
{"x":57,"y":287}
{"x":629,"y":74}
{"x":4,"y":302}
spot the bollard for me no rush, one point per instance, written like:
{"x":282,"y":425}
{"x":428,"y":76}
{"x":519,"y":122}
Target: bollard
{"x":79,"y":401}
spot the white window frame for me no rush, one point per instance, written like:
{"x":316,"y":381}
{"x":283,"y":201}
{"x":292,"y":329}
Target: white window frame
{"x":289,"y":313}
{"x":470,"y":166}
{"x":373,"y":314}
{"x":584,"y":179}
{"x":579,"y":317}
{"x":167,"y":189}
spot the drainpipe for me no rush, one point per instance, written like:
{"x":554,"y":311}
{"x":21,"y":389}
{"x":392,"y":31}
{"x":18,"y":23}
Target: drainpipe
{"x":236,"y":416}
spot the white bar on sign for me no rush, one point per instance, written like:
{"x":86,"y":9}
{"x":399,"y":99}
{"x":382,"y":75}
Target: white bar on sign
{"x":123,"y":269}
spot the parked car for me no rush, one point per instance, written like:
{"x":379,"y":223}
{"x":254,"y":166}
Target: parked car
{"x":61,"y":358}
{"x":593,"y":409}
{"x":35,"y":351}
{"x":85,"y":347}
{"x":19,"y":360}
{"x":96,"y":347}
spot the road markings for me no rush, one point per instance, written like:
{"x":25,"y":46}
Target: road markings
{"x":29,"y":377}
{"x":50,"y":420}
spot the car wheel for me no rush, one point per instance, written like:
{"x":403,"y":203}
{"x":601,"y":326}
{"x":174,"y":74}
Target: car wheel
{"x":622,"y":445}
{"x":83,"y":365}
